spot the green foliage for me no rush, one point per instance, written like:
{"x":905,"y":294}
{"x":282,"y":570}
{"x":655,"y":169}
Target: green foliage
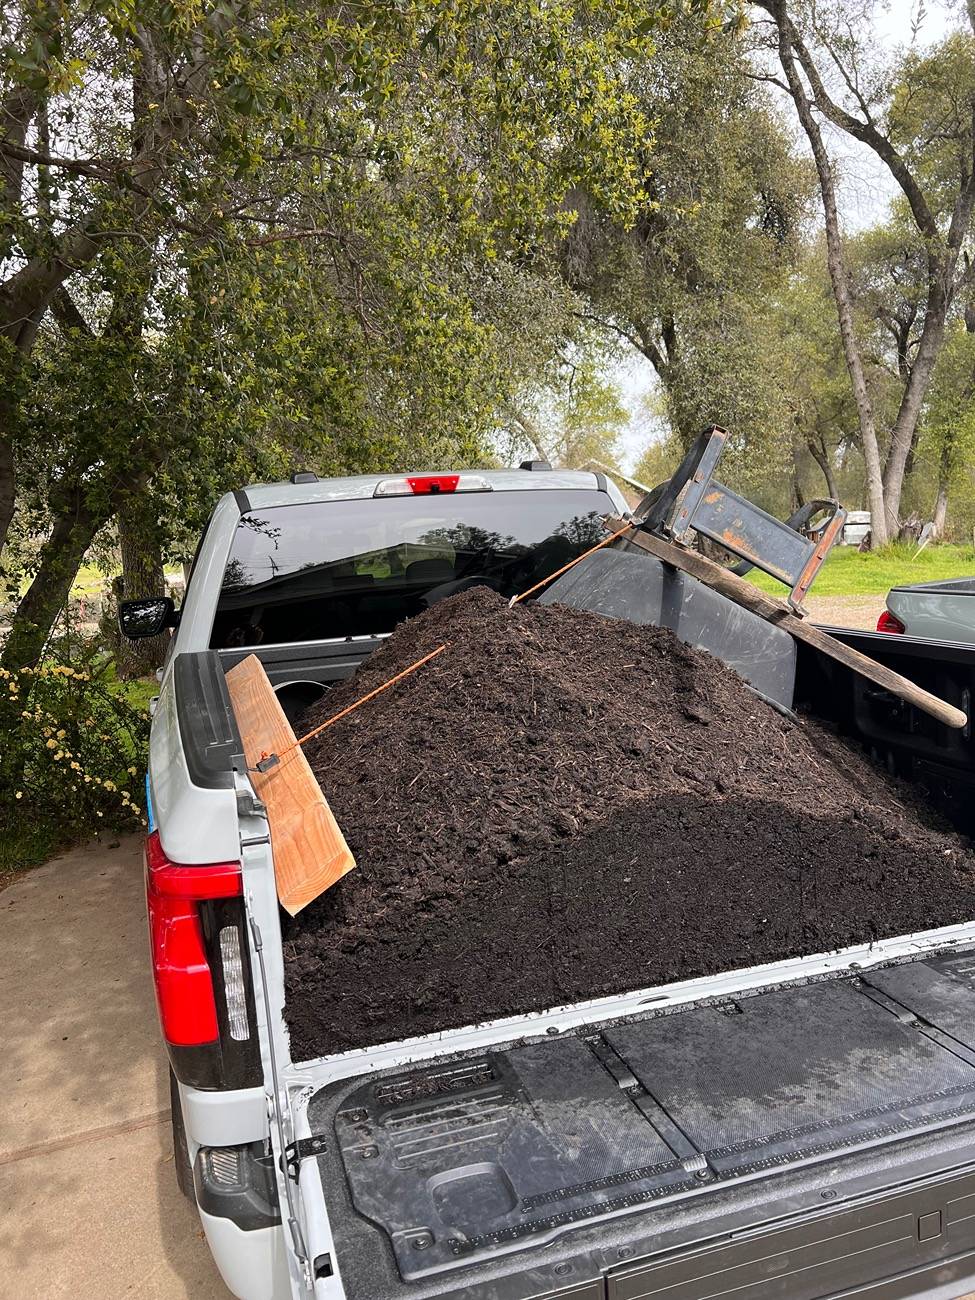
{"x":74,"y":749}
{"x":659,"y":459}
{"x":690,"y":282}
{"x":806,"y":368}
{"x":930,"y":116}
{"x":889,"y":274}
{"x":293,"y":237}
{"x":946,"y":447}
{"x":950,"y":417}
{"x":571,"y":416}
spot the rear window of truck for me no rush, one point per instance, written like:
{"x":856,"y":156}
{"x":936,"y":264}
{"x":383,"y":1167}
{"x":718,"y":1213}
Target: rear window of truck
{"x":334,"y":569}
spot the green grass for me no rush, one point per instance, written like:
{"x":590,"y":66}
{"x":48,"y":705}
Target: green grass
{"x":92,"y":581}
{"x":137,"y":692}
{"x":89,"y":581}
{"x":848,"y":572}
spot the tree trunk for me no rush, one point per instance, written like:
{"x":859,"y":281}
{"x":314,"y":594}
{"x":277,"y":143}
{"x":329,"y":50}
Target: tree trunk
{"x":9,"y":407}
{"x":142,"y":575}
{"x":839,"y":280}
{"x":905,"y":426}
{"x":941,"y":509}
{"x":798,"y":496}
{"x":14,"y":349}
{"x":60,"y":559}
{"x":78,"y":518}
{"x":821,"y":457}
{"x":7,"y":479}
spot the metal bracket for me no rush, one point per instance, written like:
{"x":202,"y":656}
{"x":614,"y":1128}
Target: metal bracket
{"x":294,"y":1225}
{"x":693,"y":501}
{"x":248,"y":805}
{"x":296,"y":1152}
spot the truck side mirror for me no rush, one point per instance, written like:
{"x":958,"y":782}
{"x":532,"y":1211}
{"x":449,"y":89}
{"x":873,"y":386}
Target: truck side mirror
{"x":149,"y":617}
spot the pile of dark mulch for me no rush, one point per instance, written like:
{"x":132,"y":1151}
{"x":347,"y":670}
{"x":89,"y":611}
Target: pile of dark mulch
{"x":563,"y":806}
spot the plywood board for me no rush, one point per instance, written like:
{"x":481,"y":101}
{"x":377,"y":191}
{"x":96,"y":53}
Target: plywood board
{"x":310,"y":852}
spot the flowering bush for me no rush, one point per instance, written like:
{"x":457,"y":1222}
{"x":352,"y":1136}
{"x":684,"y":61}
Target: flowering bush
{"x":74,"y":746}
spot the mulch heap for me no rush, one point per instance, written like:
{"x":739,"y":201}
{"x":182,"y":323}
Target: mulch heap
{"x":563,"y":806}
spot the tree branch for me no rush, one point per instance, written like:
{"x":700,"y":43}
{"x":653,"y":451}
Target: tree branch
{"x":530,"y":430}
{"x":22,"y":102}
{"x":849,"y":78}
{"x":67,"y":315}
{"x":836,"y":265}
{"x":35,"y":284}
{"x":768,"y":79}
{"x":312,"y":232}
{"x":106,"y":169}
{"x":865,"y":132}
{"x":32,"y":287}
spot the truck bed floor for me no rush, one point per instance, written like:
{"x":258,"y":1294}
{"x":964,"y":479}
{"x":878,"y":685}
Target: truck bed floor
{"x":457,"y":1162}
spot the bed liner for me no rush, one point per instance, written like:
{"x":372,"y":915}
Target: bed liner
{"x":448,"y":1169}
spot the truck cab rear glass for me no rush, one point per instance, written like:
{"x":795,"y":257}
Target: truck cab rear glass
{"x":330,"y":569}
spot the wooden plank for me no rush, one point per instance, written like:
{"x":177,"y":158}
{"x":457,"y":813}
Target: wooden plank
{"x":779,"y":613}
{"x":310,"y":852}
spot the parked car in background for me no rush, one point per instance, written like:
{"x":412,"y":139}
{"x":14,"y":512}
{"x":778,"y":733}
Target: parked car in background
{"x":944,"y":611}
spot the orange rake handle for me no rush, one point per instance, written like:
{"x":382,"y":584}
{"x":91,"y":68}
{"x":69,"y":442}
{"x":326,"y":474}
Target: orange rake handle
{"x":343,"y":713}
{"x":572,"y":563}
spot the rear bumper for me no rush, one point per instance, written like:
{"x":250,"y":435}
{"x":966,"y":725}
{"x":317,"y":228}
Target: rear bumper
{"x":253,"y":1264}
{"x":238,"y":1183}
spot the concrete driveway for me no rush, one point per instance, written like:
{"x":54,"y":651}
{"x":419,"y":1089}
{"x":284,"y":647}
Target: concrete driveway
{"x":88,"y":1198}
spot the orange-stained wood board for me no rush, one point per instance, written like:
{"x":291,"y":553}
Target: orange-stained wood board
{"x":310,"y":852}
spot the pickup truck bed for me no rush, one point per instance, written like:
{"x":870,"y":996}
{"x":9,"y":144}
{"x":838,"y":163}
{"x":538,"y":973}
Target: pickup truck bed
{"x":445,"y":1173}
{"x":438,"y":1176}
{"x":802,"y":1136}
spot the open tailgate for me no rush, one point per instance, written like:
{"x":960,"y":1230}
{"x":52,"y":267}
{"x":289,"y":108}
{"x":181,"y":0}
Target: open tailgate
{"x":794,"y":1141}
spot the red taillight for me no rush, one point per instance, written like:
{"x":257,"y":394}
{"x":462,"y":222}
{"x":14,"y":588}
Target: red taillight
{"x":425,"y":484}
{"x":888,"y":622}
{"x":184,"y":987}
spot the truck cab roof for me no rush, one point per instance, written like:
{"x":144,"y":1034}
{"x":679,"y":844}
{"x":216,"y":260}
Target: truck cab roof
{"x":259,"y":496}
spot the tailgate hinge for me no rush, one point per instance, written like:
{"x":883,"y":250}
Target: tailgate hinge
{"x":296,"y":1152}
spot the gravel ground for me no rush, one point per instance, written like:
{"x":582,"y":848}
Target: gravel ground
{"x":860,"y":612}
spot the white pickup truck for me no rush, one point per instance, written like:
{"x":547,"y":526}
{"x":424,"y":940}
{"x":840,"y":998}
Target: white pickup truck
{"x":799,"y":1130}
